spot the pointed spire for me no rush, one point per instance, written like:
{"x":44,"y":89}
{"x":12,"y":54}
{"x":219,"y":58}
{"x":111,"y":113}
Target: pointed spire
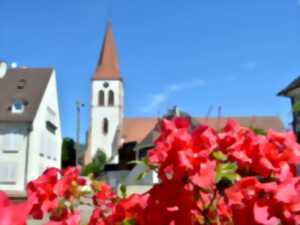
{"x":108,"y":68}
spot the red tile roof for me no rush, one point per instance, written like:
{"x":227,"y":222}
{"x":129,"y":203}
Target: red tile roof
{"x":108,"y":68}
{"x":135,"y":129}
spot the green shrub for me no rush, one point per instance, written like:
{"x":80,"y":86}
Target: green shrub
{"x":96,"y":166}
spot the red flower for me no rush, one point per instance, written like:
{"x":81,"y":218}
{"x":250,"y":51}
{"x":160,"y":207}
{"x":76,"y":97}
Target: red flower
{"x":279,"y":153}
{"x":205,"y":177}
{"x":69,"y":182}
{"x":41,"y":192}
{"x":13,"y":214}
{"x":68,"y":219}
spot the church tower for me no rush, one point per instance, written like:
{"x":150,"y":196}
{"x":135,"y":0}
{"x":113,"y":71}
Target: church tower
{"x":106,"y":102}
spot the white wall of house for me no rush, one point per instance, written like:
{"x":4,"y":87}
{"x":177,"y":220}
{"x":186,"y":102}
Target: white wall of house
{"x":115,"y":178}
{"x":150,"y":179}
{"x":13,"y":149}
{"x":107,"y":142}
{"x":26,"y":149}
{"x":45,"y":146}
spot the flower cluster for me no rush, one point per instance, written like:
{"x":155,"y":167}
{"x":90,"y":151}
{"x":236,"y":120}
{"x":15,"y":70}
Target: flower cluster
{"x":56,"y":192}
{"x":233,"y":176}
{"x":274,"y":155}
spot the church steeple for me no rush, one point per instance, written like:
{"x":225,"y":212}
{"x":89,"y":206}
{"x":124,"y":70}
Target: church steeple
{"x":106,"y":103}
{"x":107,"y":67}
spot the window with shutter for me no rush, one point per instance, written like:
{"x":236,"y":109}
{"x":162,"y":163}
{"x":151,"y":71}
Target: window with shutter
{"x":12,"y":142}
{"x":8,"y":173}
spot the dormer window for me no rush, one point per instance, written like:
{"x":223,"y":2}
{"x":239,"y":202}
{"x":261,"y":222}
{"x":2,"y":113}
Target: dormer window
{"x":18,"y":106}
{"x":21,"y":84}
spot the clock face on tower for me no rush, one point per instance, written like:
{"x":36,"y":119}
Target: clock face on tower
{"x":106,"y":85}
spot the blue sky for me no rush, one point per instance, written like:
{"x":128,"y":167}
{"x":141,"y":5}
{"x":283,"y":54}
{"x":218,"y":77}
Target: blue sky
{"x":195,"y":54}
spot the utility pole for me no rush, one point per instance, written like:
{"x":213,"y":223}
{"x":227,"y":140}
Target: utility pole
{"x":79,"y":105}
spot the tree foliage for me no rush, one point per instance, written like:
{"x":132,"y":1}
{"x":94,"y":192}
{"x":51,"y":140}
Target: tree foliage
{"x":68,"y":153}
{"x":96,"y":166}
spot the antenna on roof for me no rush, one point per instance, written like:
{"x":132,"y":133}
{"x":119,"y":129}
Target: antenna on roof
{"x":158,"y":113}
{"x":209,"y":112}
{"x":176,"y":111}
{"x":219,"y":117}
{"x":252,"y":121}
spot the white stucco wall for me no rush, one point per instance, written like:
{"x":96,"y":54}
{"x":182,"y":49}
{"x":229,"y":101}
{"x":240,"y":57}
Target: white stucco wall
{"x":150,"y":179}
{"x":114,"y":114}
{"x":115,"y":178}
{"x":45,"y":147}
{"x":135,"y":189}
{"x":13,"y":148}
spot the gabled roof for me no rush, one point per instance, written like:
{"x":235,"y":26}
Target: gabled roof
{"x":107,"y":67}
{"x":295,"y":84}
{"x":138,"y":129}
{"x":23,"y":84}
{"x":265,"y":123}
{"x":135,"y":129}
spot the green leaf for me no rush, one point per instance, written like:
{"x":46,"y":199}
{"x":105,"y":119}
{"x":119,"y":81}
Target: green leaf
{"x":259,"y":131}
{"x":230,"y":167}
{"x":226,"y":171}
{"x":137,"y":162}
{"x":296,"y":107}
{"x":232,"y":176}
{"x":220,"y":156}
{"x":123,"y":190}
{"x":142,"y":175}
{"x":128,"y":222}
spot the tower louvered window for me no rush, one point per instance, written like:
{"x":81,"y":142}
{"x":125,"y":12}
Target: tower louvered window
{"x":101,"y":98}
{"x":111,"y":98}
{"x":105,"y":126}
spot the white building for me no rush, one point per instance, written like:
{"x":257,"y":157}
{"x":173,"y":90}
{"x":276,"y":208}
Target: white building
{"x":30,"y":130}
{"x":106,"y":114}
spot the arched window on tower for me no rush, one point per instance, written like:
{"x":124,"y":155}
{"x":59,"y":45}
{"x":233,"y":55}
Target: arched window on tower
{"x":111,"y":98}
{"x":105,"y":126}
{"x":101,"y":98}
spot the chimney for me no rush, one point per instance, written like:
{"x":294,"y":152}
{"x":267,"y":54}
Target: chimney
{"x":177,"y":110}
{"x":13,"y":65}
{"x":3,"y":69}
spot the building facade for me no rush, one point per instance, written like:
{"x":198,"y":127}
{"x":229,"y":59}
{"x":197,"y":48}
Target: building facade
{"x":292,"y":91}
{"x":30,"y":130}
